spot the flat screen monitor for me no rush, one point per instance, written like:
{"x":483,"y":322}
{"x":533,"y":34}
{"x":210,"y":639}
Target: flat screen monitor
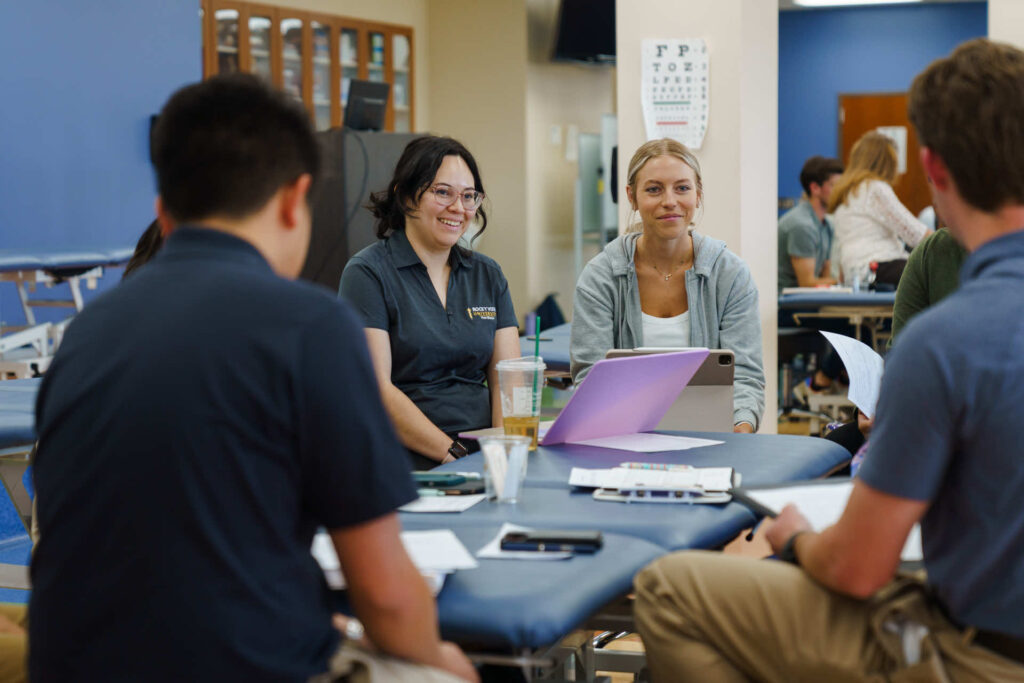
{"x":586,"y":31}
{"x":367,"y":104}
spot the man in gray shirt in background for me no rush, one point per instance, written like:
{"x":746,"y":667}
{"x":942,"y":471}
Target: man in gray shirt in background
{"x":805,"y":235}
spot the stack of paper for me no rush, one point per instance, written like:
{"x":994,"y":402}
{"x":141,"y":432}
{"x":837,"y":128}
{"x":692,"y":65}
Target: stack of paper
{"x":436,"y":553}
{"x":822,"y":505}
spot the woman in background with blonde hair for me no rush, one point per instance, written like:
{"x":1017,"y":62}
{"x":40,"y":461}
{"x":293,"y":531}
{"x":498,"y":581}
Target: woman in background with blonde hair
{"x":663,"y":284}
{"x":870,"y":222}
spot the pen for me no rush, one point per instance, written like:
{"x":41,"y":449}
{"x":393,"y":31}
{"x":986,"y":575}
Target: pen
{"x":655,"y":466}
{"x":426,"y":493}
{"x":467,"y":475}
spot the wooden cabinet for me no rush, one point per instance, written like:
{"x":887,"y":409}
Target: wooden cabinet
{"x":312,"y":56}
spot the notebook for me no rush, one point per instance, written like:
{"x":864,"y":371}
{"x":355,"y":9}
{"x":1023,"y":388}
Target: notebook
{"x":624,"y":396}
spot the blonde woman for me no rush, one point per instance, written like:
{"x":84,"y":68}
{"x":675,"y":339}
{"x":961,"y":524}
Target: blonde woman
{"x":870,"y":222}
{"x":663,"y":284}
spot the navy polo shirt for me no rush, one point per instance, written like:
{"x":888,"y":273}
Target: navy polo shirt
{"x":947,"y":431}
{"x":439,"y":355}
{"x":196,"y":426}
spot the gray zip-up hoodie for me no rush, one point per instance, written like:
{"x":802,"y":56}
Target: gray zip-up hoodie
{"x":723,"y":314}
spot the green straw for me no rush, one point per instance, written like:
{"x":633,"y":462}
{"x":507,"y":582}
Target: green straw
{"x":536,"y":354}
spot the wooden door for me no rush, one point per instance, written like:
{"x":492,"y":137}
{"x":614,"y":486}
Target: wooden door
{"x":859,"y":114}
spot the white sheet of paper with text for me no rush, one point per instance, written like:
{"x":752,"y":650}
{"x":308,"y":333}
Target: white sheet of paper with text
{"x":864,"y":366}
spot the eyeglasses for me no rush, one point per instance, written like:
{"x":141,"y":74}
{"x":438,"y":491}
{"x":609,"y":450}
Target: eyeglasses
{"x":445,"y":195}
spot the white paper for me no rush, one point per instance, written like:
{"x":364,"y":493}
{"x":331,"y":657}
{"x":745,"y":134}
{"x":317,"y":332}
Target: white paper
{"x":674,"y":87}
{"x":435,"y":553}
{"x":493,"y":551}
{"x":823,"y":505}
{"x":697,"y":479}
{"x":442,"y":503}
{"x":864,"y":366}
{"x":898,"y":134}
{"x":646,"y":442}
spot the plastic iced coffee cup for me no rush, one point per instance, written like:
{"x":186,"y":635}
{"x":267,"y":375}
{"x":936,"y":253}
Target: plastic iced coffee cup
{"x":521,"y":381}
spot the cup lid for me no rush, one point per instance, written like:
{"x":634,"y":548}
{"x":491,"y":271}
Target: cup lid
{"x":523,"y":363}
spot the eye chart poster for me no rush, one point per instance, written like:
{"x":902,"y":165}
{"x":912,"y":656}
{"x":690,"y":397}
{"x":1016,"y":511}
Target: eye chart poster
{"x":675,"y":89}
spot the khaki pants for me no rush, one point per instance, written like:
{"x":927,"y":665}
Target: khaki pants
{"x":353,"y":664}
{"x":708,"y":617}
{"x":12,"y":645}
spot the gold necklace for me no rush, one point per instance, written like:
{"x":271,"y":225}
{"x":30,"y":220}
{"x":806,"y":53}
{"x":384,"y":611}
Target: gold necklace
{"x":672,"y":272}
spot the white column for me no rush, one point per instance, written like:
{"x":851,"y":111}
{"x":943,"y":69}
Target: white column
{"x":739,"y":157}
{"x":1006,"y":21}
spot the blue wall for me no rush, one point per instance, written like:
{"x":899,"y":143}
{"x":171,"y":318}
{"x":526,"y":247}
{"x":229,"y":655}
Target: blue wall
{"x":79,"y":81}
{"x":823,"y":53}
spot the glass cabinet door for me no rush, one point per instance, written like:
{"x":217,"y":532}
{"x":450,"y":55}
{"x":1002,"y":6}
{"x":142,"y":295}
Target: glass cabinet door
{"x":375,"y":68}
{"x":291,"y":56}
{"x":226,"y":21}
{"x":400,"y":95}
{"x":259,"y":46}
{"x":321,"y":75}
{"x":348,"y":58}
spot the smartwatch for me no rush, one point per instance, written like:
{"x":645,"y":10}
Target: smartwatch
{"x":788,"y":551}
{"x":457,"y":450}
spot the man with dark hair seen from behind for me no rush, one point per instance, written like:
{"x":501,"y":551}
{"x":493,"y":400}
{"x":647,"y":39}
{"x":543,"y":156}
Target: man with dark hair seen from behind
{"x":944,"y":452}
{"x":805,"y":234}
{"x":202,"y":420}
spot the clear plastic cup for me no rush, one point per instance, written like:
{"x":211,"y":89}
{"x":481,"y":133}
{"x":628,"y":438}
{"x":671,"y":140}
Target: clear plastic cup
{"x":504,"y":466}
{"x":521,"y":381}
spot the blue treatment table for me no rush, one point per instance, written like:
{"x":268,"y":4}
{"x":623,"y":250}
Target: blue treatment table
{"x":508,"y":605}
{"x":515,"y":604}
{"x":554,"y":347}
{"x":17,"y":413}
{"x":860,"y":308}
{"x":760,"y":458}
{"x":27,"y":268}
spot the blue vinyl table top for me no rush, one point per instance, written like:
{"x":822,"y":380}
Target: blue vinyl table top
{"x":61,"y":259}
{"x":17,"y":412}
{"x":514,"y":604}
{"x":815,"y":300}
{"x":554,"y":347}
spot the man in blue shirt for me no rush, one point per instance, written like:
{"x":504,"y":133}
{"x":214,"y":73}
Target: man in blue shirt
{"x":805,"y":235}
{"x":202,"y":420}
{"x":944,"y":452}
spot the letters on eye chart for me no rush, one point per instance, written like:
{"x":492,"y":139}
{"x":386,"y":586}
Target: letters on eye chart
{"x":675,"y":81}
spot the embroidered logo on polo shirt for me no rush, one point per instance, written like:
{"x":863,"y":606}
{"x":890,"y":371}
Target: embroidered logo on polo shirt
{"x":482,"y":312}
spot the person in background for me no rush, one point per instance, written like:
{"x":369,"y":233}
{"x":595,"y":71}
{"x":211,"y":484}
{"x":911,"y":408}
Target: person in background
{"x":871,"y":224}
{"x":944,"y":452}
{"x":932,"y":274}
{"x":664,"y":284}
{"x":438,"y":317}
{"x":805,"y":245}
{"x":201,"y":420}
{"x":145,"y":249}
{"x":805,"y":233}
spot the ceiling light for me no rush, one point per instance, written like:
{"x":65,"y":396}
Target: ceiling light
{"x":845,"y":3}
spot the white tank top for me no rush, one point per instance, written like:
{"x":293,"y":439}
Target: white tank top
{"x":667,"y":332}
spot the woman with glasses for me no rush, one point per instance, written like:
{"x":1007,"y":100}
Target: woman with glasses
{"x":664,"y":285}
{"x":438,"y":316}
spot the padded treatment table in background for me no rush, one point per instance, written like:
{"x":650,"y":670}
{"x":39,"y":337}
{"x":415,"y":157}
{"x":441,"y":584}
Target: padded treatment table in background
{"x":554,"y":347}
{"x":17,"y":438}
{"x":53,"y":266}
{"x":859,"y":308}
{"x":17,"y":413}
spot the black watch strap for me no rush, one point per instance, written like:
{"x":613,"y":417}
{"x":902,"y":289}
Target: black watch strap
{"x":788,"y":552}
{"x":458,"y":450}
